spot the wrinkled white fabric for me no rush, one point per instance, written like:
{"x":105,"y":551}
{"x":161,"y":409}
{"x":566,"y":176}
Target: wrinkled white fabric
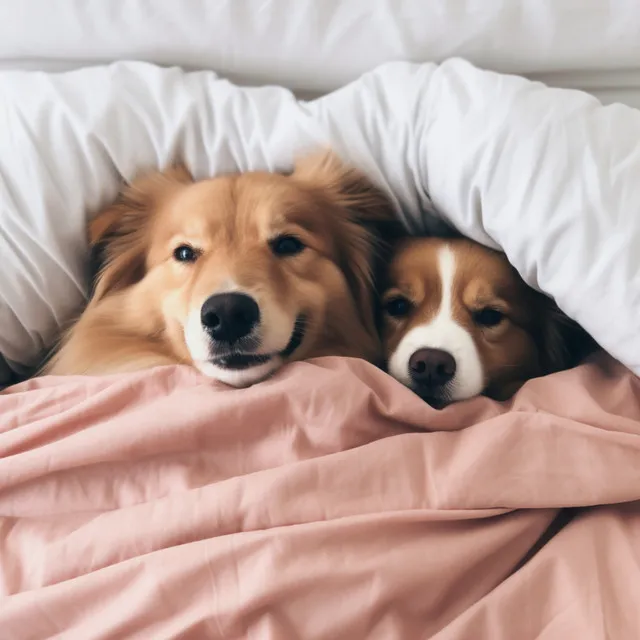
{"x":549,"y":175}
{"x":316,"y":46}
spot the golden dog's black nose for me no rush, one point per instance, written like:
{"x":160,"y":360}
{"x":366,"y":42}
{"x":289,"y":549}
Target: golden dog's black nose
{"x":432,"y":367}
{"x":227,"y":317}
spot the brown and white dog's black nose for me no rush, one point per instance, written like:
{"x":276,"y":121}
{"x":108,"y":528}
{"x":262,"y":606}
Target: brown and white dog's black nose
{"x":432,"y":368}
{"x":228,"y":317}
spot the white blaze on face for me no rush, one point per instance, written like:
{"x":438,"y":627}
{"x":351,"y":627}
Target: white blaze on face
{"x":443,"y":332}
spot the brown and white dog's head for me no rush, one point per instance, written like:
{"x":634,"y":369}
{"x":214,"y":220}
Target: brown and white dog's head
{"x":459,"y":322}
{"x":235,"y":275}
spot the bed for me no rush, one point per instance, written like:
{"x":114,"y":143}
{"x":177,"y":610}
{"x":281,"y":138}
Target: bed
{"x":329,"y":501}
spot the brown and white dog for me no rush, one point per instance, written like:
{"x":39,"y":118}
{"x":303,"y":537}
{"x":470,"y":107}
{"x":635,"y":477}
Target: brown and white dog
{"x":458,"y":321}
{"x":235,"y":275}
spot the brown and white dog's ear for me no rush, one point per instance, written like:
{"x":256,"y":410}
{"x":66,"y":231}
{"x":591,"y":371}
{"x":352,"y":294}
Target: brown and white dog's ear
{"x":564,"y":343}
{"x":363,"y":221}
{"x":117,"y":235}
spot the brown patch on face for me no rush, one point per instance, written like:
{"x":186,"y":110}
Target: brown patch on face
{"x":486,"y":283}
{"x":145,"y":296}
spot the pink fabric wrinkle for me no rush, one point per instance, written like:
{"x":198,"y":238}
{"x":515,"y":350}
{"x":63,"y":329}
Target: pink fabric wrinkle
{"x":327,"y":502}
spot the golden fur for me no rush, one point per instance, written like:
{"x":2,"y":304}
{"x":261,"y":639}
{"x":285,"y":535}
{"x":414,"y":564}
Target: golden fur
{"x":144,"y":299}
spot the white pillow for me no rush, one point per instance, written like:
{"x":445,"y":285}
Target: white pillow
{"x":317,"y":46}
{"x":549,"y":175}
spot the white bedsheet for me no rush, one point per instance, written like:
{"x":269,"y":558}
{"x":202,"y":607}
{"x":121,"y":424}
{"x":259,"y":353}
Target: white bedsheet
{"x":315,"y":46}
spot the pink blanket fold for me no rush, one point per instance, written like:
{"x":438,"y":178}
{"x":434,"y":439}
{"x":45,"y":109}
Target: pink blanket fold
{"x":326,"y":503}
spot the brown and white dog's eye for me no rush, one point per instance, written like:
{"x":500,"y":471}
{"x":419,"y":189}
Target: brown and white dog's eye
{"x":398,"y":307}
{"x":287,"y":245}
{"x":488,"y":317}
{"x":185,"y":253}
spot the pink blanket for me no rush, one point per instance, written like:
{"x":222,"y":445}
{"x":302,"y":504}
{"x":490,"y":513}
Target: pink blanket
{"x":326,"y":503}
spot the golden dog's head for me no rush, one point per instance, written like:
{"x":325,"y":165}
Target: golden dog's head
{"x":241,"y":273}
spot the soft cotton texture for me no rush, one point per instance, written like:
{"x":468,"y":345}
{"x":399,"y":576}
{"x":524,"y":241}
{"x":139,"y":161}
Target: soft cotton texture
{"x":548,"y":175}
{"x":315,"y":47}
{"x":328,"y":502}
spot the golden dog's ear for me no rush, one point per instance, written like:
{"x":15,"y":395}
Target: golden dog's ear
{"x":362,"y":219}
{"x":118,"y":234}
{"x":347,"y":186}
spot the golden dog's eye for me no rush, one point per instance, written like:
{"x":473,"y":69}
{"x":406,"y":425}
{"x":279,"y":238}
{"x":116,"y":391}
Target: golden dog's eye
{"x":286,"y":246}
{"x":488,"y":317}
{"x":397,"y":307}
{"x":185,"y":253}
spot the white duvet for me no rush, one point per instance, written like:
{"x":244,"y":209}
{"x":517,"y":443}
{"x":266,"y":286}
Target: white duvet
{"x":551,"y":176}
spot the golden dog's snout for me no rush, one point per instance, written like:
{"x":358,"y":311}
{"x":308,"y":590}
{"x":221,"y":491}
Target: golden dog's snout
{"x":228,"y":317}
